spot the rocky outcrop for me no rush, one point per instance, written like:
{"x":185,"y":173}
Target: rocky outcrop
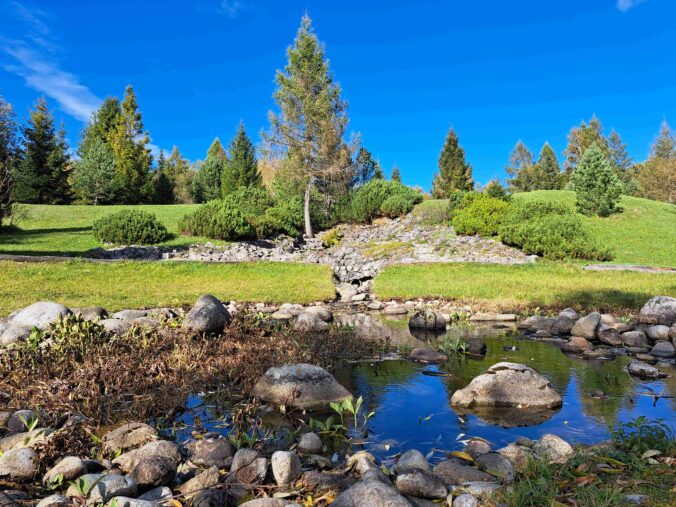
{"x":659,"y":310}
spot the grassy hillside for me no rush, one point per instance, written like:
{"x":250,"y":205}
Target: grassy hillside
{"x":643,"y":233}
{"x":54,"y":230}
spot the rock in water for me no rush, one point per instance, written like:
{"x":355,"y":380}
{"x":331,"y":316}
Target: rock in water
{"x":644,"y":371}
{"x":508,"y":385}
{"x":427,"y":320}
{"x":303,"y":386}
{"x":207,"y":316}
{"x":586,"y":326}
{"x":576,"y":345}
{"x":659,"y":310}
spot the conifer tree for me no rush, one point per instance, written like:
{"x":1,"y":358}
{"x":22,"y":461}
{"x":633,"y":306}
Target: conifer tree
{"x":495,"y":189}
{"x":665,"y":144}
{"x":580,"y":139}
{"x":547,"y":173}
{"x":378,"y":172}
{"x":207,"y":184}
{"x":241,"y":165}
{"x":42,"y":175}
{"x":129,"y":141}
{"x":597,"y":188}
{"x":520,"y":168}
{"x":365,"y":167}
{"x":454,"y":172}
{"x":310,"y":127}
{"x":180,"y":174}
{"x":396,"y":174}
{"x":9,"y":144}
{"x":94,"y":177}
{"x":163,"y":192}
{"x":621,"y":162}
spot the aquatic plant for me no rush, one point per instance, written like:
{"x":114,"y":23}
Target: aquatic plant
{"x":452,"y":345}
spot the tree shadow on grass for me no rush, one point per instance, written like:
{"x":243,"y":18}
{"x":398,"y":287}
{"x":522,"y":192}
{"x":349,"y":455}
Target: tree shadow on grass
{"x":609,"y":300}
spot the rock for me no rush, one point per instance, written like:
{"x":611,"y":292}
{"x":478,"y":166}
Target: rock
{"x":293,"y":309}
{"x":576,"y":345}
{"x":481,"y":488}
{"x":663,"y":350}
{"x":308,"y":322}
{"x":497,"y":465}
{"x":92,"y":313}
{"x":658,"y":333}
{"x":156,"y":449}
{"x":370,"y":493}
{"x":286,"y":467}
{"x":211,"y":452}
{"x":420,"y":483}
{"x":128,"y":436}
{"x":14,"y":333}
{"x":17,"y":421}
{"x":25,"y":439}
{"x":310,"y":443}
{"x":454,"y":472}
{"x":154,"y":471}
{"x":358,"y":297}
{"x":69,"y":468}
{"x":280,"y":315}
{"x":608,"y":335}
{"x":40,"y":315}
{"x":554,"y":449}
{"x":213,"y":497}
{"x":303,"y":386}
{"x":346,"y":291}
{"x":493,"y":317}
{"x":375,"y":305}
{"x":659,"y":310}
{"x":156,"y":494}
{"x":105,"y":487}
{"x":476,"y":346}
{"x":464,"y":500}
{"x":586,"y":326}
{"x":476,"y":447}
{"x":145,"y":323}
{"x":426,"y":319}
{"x":570,"y":313}
{"x":425,"y":355}
{"x":19,"y":463}
{"x":54,"y":501}
{"x":207,"y":316}
{"x":395,"y":310}
{"x":125,"y":501}
{"x":129,"y":314}
{"x":646,"y":358}
{"x":636,"y":499}
{"x":207,"y":479}
{"x":268,"y":502}
{"x":535,"y":323}
{"x":508,"y":385}
{"x":517,"y":455}
{"x":644,"y":371}
{"x":321,"y":312}
{"x":412,"y":459}
{"x":634,"y":339}
{"x":116,"y":326}
{"x":248,"y":468}
{"x":561,"y":325}
{"x":672,"y":333}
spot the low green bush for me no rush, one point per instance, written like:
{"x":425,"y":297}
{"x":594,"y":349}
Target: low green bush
{"x":458,"y":200}
{"x":366,"y":202}
{"x":130,"y":227}
{"x":332,"y":238}
{"x":396,"y":205}
{"x":549,"y":229}
{"x":483,"y":216}
{"x":432,"y":212}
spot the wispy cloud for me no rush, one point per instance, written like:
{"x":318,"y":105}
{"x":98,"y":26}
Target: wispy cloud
{"x":230,"y":8}
{"x":33,"y":58}
{"x":625,"y":5}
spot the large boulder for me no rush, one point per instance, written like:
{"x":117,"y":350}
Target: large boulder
{"x":663,"y":350}
{"x":40,"y":314}
{"x":303,"y":386}
{"x":658,"y":333}
{"x":635,"y":339}
{"x":454,"y":472}
{"x":425,"y":355}
{"x":128,"y":436}
{"x":420,"y":483}
{"x":19,"y":463}
{"x":208,"y":316}
{"x":310,"y":322}
{"x":508,"y":385}
{"x":576,"y":345}
{"x":427,"y":319}
{"x":659,"y":310}
{"x":370,"y":493}
{"x":211,"y":452}
{"x":609,"y":335}
{"x":644,"y":371}
{"x":586,"y":326}
{"x":104,"y":487}
{"x":554,"y":449}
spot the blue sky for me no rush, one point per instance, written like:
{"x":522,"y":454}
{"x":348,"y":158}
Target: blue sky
{"x":497,"y":71}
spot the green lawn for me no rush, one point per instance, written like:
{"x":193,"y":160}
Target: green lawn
{"x":644,"y":232}
{"x":150,"y":284}
{"x":66,"y":230}
{"x":544,"y":284}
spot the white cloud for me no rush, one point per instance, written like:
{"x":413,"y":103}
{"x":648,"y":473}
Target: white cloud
{"x":625,"y":5}
{"x":230,"y":8}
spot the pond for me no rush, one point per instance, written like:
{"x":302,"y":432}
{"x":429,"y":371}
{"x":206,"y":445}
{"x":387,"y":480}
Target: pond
{"x":411,"y":401}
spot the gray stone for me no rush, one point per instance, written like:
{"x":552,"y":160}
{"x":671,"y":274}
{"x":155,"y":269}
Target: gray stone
{"x":508,"y":385}
{"x":92,"y":313}
{"x":268,"y":502}
{"x":280,"y":315}
{"x":535,"y":323}
{"x":412,"y":459}
{"x":156,"y":494}
{"x":609,"y":335}
{"x":663,"y":350}
{"x":370,"y":493}
{"x":658,"y":333}
{"x":145,"y":323}
{"x":128,"y":436}
{"x":586,"y":326}
{"x":454,"y":472}
{"x":155,"y":449}
{"x":476,"y":346}
{"x":207,"y":479}
{"x":293,"y":309}
{"x":54,"y":501}
{"x":493,"y":317}
{"x":14,"y":333}
{"x":659,"y":310}
{"x":517,"y":455}
{"x":395,"y":310}
{"x":644,"y":371}
{"x":463,"y":500}
{"x":105,"y":487}
{"x":211,"y":452}
{"x":248,"y":467}
{"x":286,"y":467}
{"x":125,"y":501}
{"x":25,"y":439}
{"x":116,"y":326}
{"x":40,"y":314}
{"x":420,"y":483}
{"x":481,"y":488}
{"x":17,"y":421}
{"x":69,"y":468}
{"x":476,"y":447}
{"x":154,"y":471}
{"x":19,"y":463}
{"x":427,"y":319}
{"x":129,"y":314}
{"x":322,"y":312}
{"x":497,"y":465}
{"x":303,"y":386}
{"x":570,"y":313}
{"x":346,"y":291}
{"x":634,"y":339}
{"x":426,"y":355}
{"x":554,"y":449}
{"x":208,"y":316}
{"x":310,"y":443}
{"x":636,"y":499}
{"x":561,"y":325}
{"x":308,"y":322}
{"x":576,"y":345}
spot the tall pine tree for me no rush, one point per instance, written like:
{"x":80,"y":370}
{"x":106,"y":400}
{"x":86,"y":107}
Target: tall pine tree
{"x":163,"y":192}
{"x":547,"y":172}
{"x":310,"y":127}
{"x":42,"y":175}
{"x":454,"y":172}
{"x":621,"y":161}
{"x":520,"y":168}
{"x":180,"y":175}
{"x":665,"y":144}
{"x":365,"y":167}
{"x":396,"y":174}
{"x":580,"y":139}
{"x":94,"y":178}
{"x":597,"y":188}
{"x":207,"y":184}
{"x":241,"y":166}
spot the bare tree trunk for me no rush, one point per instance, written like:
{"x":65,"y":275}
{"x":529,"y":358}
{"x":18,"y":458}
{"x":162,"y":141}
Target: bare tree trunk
{"x":306,"y":211}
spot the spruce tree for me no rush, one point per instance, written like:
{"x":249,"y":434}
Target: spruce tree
{"x":365,"y":167}
{"x":378,"y":172}
{"x":665,"y":144}
{"x":597,"y":188}
{"x":241,"y":166}
{"x":163,"y":192}
{"x":129,"y":141}
{"x":396,"y":174}
{"x":621,"y":162}
{"x":547,"y":172}
{"x":94,"y":178}
{"x":495,"y":189}
{"x":455,"y":174}
{"x":520,"y":168}
{"x":310,"y":127}
{"x":42,"y":175}
{"x":207,"y":184}
{"x":580,"y":139}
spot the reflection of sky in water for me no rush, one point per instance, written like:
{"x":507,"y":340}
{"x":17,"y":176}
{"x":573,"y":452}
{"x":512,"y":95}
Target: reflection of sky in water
{"x":412,"y":410}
